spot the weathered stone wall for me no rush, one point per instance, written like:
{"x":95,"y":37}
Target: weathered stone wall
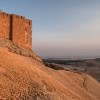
{"x":17,"y":29}
{"x":4,"y":25}
{"x":28,"y":34}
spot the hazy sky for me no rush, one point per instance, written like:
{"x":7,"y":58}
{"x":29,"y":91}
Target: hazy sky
{"x":61,"y":28}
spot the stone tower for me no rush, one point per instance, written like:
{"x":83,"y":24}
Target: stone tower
{"x":17,"y":29}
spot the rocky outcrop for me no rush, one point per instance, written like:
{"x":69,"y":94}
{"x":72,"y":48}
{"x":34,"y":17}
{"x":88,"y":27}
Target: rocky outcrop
{"x":7,"y":44}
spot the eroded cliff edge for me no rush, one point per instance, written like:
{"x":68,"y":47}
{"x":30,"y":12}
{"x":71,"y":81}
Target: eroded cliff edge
{"x":8,"y":44}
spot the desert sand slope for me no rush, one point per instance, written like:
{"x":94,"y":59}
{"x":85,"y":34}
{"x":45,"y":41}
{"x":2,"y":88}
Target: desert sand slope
{"x":23,"y":78}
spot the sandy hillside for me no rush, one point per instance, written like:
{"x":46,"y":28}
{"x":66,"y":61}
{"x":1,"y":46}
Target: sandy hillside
{"x":24,"y":78}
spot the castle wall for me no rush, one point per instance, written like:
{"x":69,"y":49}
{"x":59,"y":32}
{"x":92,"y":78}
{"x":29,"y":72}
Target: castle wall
{"x":28,"y":34}
{"x":21,"y":31}
{"x":17,"y":29}
{"x":4,"y":25}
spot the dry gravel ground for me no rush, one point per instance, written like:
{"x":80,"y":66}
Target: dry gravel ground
{"x":25,"y":78}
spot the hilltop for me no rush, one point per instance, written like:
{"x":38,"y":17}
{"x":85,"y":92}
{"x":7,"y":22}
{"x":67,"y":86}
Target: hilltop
{"x":23,"y":76}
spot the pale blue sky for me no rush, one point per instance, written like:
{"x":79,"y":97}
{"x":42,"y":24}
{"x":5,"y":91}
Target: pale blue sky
{"x":61,"y":28}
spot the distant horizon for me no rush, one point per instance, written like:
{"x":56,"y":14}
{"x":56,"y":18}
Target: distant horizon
{"x":61,"y":28}
{"x":70,"y":57}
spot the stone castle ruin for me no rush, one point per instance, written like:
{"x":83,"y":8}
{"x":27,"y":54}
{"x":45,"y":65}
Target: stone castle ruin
{"x":17,"y":29}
